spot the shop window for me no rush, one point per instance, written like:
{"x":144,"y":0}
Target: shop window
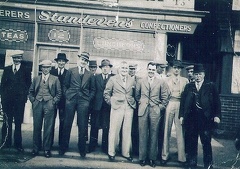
{"x":235,"y":87}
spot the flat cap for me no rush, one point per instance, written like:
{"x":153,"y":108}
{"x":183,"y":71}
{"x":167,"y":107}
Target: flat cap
{"x":46,"y":63}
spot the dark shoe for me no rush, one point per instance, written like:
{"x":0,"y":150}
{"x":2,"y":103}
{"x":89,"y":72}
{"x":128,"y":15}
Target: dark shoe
{"x":19,"y":149}
{"x":183,"y":164}
{"x":82,"y":154}
{"x":35,"y":153}
{"x":47,"y":154}
{"x":208,"y":167}
{"x":152,"y":163}
{"x":129,"y":158}
{"x":164,"y":162}
{"x":142,"y":162}
{"x":111,"y":158}
{"x":61,"y":152}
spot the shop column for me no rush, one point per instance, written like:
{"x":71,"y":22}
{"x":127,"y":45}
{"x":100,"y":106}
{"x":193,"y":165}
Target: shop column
{"x":160,"y":47}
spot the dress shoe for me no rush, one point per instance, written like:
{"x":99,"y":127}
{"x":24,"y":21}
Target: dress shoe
{"x":61,"y":152}
{"x":83,"y":154}
{"x":111,"y":158}
{"x":164,"y":162}
{"x":47,"y":154}
{"x":152,"y":163}
{"x":142,"y":162}
{"x":34,"y":153}
{"x":208,"y":167}
{"x":19,"y":149}
{"x":129,"y":158}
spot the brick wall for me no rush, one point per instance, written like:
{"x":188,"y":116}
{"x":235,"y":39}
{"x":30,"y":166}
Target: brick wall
{"x":230,"y":122}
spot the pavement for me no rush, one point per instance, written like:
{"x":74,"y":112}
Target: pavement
{"x":224,"y":153}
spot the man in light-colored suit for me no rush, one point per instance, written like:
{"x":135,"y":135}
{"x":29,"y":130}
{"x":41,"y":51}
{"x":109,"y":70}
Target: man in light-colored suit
{"x":176,"y":85}
{"x":79,"y":90}
{"x":119,"y":94}
{"x":152,"y":95}
{"x":44,"y":94}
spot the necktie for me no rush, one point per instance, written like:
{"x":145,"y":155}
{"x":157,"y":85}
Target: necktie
{"x":198,"y":86}
{"x":15,"y":69}
{"x":44,"y":79}
{"x":81,"y":71}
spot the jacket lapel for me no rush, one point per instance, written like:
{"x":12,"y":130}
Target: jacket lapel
{"x":37,"y":85}
{"x":50,"y":81}
{"x":145,"y":82}
{"x":86,"y":75}
{"x":119,"y":81}
{"x":75,"y":73}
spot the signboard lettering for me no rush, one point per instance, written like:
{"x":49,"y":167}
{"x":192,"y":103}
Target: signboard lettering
{"x":58,"y":35}
{"x":118,"y":44}
{"x":14,"y":14}
{"x":166,"y":26}
{"x":13,"y":35}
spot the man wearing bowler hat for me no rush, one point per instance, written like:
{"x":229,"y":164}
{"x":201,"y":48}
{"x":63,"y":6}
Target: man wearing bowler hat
{"x":79,"y":90}
{"x":16,"y":80}
{"x":101,"y":110}
{"x":60,"y":72}
{"x":199,"y":110}
{"x":176,"y":84}
{"x":93,"y":66}
{"x":44,"y":94}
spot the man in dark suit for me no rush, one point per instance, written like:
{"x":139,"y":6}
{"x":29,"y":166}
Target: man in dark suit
{"x":44,"y":94}
{"x":15,"y":83}
{"x":199,"y":110}
{"x":60,"y":72}
{"x":79,"y":90}
{"x":152,"y":95}
{"x":100,"y":116}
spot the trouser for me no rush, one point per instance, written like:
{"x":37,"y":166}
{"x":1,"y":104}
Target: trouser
{"x":148,"y":134}
{"x":43,"y":110}
{"x":172,"y":114}
{"x":12,"y":109}
{"x":193,"y":129}
{"x":76,"y":103}
{"x":120,"y":117}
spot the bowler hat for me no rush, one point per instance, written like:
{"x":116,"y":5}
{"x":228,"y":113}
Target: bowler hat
{"x":92,"y":63}
{"x":61,"y":56}
{"x":198,"y":68}
{"x":46,"y":63}
{"x":105,"y":62}
{"x":177,"y":63}
{"x":84,"y":55}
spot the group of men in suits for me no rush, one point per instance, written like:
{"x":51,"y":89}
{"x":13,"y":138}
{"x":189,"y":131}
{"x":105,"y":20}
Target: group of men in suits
{"x":193,"y":106}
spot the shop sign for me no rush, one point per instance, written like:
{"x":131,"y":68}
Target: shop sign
{"x":58,"y":35}
{"x":118,"y":44}
{"x":13,"y":35}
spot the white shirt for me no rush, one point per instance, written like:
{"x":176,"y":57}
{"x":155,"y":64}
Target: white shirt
{"x":79,"y":69}
{"x":60,"y":71}
{"x":16,"y":66}
{"x":45,"y":77}
{"x":198,"y":85}
{"x":104,"y":76}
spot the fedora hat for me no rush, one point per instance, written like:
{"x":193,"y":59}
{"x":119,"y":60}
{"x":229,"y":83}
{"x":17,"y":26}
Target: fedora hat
{"x":61,"y":56}
{"x":133,"y":66}
{"x":177,"y":63}
{"x":46,"y":63}
{"x":92,"y":63}
{"x":84,"y":55}
{"x":105,"y":62}
{"x":198,"y":68}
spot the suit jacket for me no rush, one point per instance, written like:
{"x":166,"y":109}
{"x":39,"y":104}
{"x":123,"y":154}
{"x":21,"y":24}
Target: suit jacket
{"x":54,"y":88}
{"x":182,"y":82}
{"x":155,"y":95}
{"x":74,"y":84}
{"x":15,"y":85}
{"x":61,"y":78}
{"x":116,"y":94}
{"x":100,"y":86}
{"x":209,"y":101}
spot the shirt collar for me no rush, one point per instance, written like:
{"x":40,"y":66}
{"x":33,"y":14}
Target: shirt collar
{"x":17,"y":66}
{"x":46,"y":76}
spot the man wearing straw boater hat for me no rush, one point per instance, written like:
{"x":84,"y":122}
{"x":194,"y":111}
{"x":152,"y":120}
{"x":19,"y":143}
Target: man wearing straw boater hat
{"x":15,"y":83}
{"x":60,"y":72}
{"x":79,"y":90}
{"x":199,"y":110}
{"x":44,"y":94}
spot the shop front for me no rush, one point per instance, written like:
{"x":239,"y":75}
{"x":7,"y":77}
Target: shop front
{"x":138,"y":37}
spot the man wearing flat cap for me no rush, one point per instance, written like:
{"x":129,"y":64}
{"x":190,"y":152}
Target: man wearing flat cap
{"x":44,"y":94}
{"x":16,"y":80}
{"x":79,"y":90}
{"x":161,"y":66}
{"x":60,"y":72}
{"x":101,"y":110}
{"x":176,"y":84}
{"x":200,"y":108}
{"x":190,"y":73}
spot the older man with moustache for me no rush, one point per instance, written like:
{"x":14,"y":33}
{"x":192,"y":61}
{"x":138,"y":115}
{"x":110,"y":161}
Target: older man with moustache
{"x":119,"y":94}
{"x":152,"y":95}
